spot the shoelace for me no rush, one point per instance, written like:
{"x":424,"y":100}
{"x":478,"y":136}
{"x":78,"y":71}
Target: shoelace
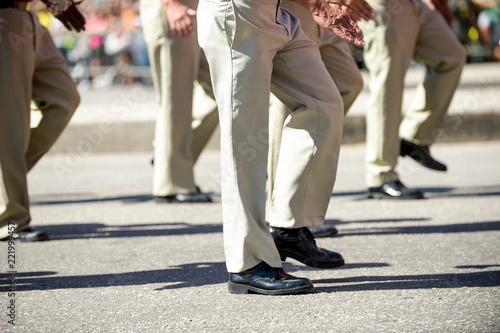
{"x":310,"y":236}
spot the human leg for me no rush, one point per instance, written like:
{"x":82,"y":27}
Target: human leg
{"x":387,"y":54}
{"x":17,"y":56}
{"x":205,"y":116}
{"x":241,"y":73}
{"x":308,"y":158}
{"x":444,"y":57}
{"x":54,"y":94}
{"x":174,"y":62}
{"x":338,"y":59}
{"x":240,"y":63}
{"x":311,"y":137}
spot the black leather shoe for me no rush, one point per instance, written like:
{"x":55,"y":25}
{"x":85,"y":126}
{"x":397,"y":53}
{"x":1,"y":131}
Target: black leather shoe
{"x":323,"y":231}
{"x":198,"y":197}
{"x":29,"y":235}
{"x":303,"y":248}
{"x":394,"y":190}
{"x":421,"y":154}
{"x":264,"y":279}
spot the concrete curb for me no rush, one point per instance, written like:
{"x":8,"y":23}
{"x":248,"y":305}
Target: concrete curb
{"x":138,"y":136}
{"x":123,"y":119}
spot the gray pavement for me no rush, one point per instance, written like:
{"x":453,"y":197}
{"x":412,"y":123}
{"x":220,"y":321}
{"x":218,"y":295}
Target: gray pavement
{"x":118,"y":262}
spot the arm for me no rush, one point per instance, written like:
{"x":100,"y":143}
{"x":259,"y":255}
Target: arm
{"x":66,"y":12}
{"x":334,"y":17}
{"x":179,"y":17}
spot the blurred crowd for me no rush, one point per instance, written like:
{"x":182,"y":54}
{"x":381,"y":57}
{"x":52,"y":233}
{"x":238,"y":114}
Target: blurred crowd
{"x":477,"y":25}
{"x":112,"y":49}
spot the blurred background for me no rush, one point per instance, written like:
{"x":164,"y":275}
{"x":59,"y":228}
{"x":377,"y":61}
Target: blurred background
{"x":109,"y":62}
{"x":112,"y":50}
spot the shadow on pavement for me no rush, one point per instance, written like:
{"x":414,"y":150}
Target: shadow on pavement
{"x":182,"y":276}
{"x":410,"y":219}
{"x":362,"y":194}
{"x":436,"y":192}
{"x":432,"y":192}
{"x":476,"y":266}
{"x":425,"y":229}
{"x":87,"y":198}
{"x":100,"y":230}
{"x":404,"y":282}
{"x":471,"y":191}
{"x":75,"y":198}
{"x":291,"y":267}
{"x":210,"y":273}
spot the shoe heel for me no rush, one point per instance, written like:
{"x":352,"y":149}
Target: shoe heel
{"x":235,"y":288}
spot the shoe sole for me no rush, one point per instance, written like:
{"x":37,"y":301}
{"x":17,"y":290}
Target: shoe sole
{"x":236,"y":288}
{"x":324,"y":234}
{"x":165,"y":200}
{"x":377,"y":195}
{"x":307,"y":262}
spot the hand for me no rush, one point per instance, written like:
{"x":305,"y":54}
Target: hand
{"x":442,"y":7}
{"x":179,"y":17}
{"x":335,"y":17}
{"x":359,"y":9}
{"x":66,"y":12}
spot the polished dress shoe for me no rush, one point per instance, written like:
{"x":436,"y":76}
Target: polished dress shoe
{"x":197,"y":197}
{"x":267,"y":280}
{"x":421,"y":154}
{"x":323,"y":231}
{"x":302,"y":247}
{"x":394,"y":190}
{"x":29,"y":235}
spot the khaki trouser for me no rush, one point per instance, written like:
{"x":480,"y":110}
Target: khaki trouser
{"x":180,"y":134}
{"x":337,"y":56}
{"x":405,"y":30}
{"x":253,"y":46}
{"x":32,"y":69}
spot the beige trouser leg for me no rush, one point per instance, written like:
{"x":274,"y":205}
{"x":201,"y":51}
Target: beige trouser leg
{"x":248,"y":44}
{"x":337,"y":57}
{"x":32,"y":68}
{"x":205,"y":115}
{"x":398,"y":34}
{"x":179,"y":137}
{"x":54,"y":94}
